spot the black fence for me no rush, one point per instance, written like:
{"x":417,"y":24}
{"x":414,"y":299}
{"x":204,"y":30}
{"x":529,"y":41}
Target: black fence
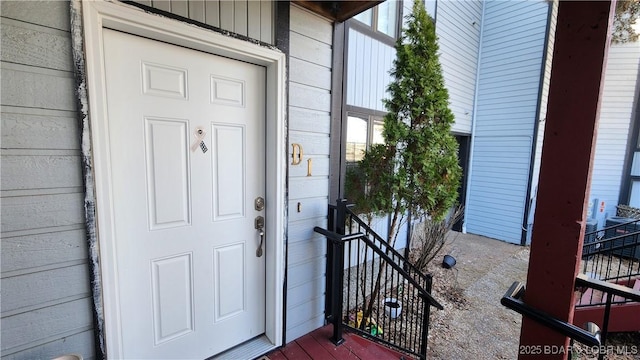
{"x":591,"y":334}
{"x":371,"y":288}
{"x":612,"y":255}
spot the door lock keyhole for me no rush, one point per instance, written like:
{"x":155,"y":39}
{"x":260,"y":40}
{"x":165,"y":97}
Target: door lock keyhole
{"x":259,"y":204}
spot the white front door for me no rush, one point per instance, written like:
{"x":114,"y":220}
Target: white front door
{"x":189,"y":283}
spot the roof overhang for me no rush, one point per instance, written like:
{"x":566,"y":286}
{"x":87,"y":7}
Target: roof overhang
{"x":337,"y":10}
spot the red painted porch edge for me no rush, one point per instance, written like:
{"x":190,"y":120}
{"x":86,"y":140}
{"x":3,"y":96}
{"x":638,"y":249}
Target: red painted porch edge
{"x":623,"y":317}
{"x":581,"y":45}
{"x":317,"y":345}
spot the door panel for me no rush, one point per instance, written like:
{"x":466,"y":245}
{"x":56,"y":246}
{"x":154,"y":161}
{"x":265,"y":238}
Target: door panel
{"x":230,"y":284}
{"x":189,"y":282}
{"x":166,"y":151}
{"x":229,"y":188}
{"x":172,"y":297}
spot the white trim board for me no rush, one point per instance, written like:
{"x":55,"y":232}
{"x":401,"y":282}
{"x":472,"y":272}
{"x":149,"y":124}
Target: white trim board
{"x":97,"y":15}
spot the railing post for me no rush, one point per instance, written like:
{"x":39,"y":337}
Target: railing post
{"x":328,"y":297}
{"x":425,"y":328}
{"x":341,"y":216}
{"x":407,"y":248}
{"x":605,"y":324}
{"x":337,"y":273}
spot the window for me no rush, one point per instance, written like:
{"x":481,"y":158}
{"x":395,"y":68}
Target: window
{"x":382,"y":18}
{"x":386,"y":16}
{"x":634,"y":196}
{"x":630,"y":192}
{"x":362,"y":132}
{"x":364,"y":17}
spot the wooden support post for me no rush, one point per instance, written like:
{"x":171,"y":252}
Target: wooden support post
{"x":581,"y":45}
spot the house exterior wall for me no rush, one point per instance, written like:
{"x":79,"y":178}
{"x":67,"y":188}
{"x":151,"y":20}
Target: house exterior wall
{"x":616,"y":114}
{"x":309,"y":125}
{"x":458,"y":31}
{"x":251,"y":18}
{"x":46,"y":298}
{"x":370,"y":60}
{"x":511,"y":65}
{"x":46,"y":302}
{"x":407,"y":7}
{"x":542,"y":121}
{"x":368,"y":64}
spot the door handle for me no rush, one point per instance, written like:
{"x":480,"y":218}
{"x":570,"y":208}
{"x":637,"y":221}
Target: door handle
{"x":259,"y":225}
{"x":259,"y":250}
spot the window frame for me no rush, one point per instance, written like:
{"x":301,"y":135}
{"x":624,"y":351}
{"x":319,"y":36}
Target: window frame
{"x":633,"y":147}
{"x":372,"y":30}
{"x":371,"y":117}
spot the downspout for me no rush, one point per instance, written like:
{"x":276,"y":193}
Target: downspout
{"x":435,"y":13}
{"x":536,"y":129}
{"x":474,"y":119}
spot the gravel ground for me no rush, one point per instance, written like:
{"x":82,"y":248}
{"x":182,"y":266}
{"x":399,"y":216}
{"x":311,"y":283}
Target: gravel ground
{"x":474,"y":325}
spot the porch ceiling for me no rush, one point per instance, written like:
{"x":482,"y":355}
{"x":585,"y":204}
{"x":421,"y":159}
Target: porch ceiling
{"x":337,"y":10}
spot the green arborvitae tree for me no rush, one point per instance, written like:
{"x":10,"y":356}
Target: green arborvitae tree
{"x":416,"y":169}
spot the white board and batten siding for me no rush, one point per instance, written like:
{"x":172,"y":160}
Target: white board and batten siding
{"x":311,"y":40}
{"x":370,"y":61}
{"x":616,"y":113}
{"x":368,"y":64}
{"x":46,"y":299}
{"x":513,"y":46}
{"x":458,"y":31}
{"x":251,"y":18}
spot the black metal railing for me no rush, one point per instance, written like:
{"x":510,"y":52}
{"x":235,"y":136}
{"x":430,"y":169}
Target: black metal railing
{"x":512,"y":299}
{"x":371,"y":288}
{"x":610,"y":291}
{"x":591,"y":334}
{"x":613,"y":256}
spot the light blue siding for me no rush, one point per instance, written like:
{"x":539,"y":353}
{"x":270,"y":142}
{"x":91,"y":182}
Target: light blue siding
{"x":458,"y":31}
{"x":511,"y":64}
{"x":309,"y":126}
{"x":616,"y":113}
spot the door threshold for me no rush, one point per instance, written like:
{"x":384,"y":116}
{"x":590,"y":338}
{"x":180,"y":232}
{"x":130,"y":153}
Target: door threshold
{"x":250,"y":349}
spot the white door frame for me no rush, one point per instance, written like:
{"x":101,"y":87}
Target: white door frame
{"x":97,"y":15}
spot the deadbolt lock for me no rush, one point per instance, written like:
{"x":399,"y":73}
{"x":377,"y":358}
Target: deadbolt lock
{"x":259,"y":203}
{"x":259,"y":223}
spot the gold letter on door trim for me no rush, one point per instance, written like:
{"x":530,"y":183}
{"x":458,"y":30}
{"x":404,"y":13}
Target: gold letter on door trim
{"x":297,"y":154}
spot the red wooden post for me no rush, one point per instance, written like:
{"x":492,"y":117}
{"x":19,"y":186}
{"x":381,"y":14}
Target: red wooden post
{"x":581,"y":45}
